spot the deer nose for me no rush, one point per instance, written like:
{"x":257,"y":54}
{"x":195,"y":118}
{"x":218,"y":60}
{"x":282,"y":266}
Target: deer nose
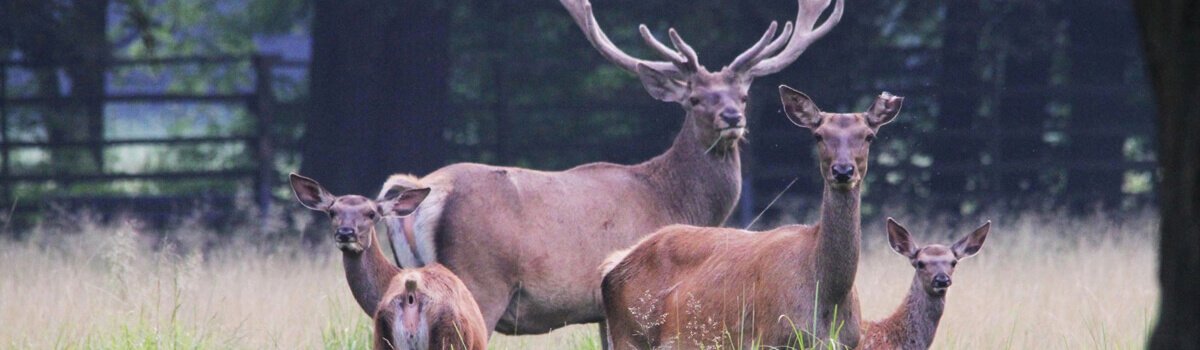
{"x":842,"y":172}
{"x":941,"y":280}
{"x":732,"y":118}
{"x":344,"y":235}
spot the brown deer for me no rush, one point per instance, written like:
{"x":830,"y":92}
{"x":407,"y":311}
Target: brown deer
{"x":420,"y":305}
{"x":758,"y":288}
{"x":526,"y":242}
{"x":429,"y":308}
{"x":914,"y":323}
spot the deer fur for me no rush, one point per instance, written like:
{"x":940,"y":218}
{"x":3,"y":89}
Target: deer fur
{"x":526,"y":242}
{"x":374,"y":281}
{"x":914,"y":323}
{"x":429,"y":308}
{"x":759,"y":287}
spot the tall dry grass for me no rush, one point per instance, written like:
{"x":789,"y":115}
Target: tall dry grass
{"x":82,"y":285}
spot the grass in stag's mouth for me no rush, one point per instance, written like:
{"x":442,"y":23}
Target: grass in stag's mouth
{"x":1041,"y":281}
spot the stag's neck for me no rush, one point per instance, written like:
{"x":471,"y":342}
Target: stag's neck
{"x":369,"y":272}
{"x":916,"y":320}
{"x":839,"y":235}
{"x":697,"y":179}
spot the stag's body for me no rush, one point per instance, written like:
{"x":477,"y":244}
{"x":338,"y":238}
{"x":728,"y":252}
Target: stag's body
{"x":913,"y":325}
{"x":687,"y":286}
{"x":532,"y":239}
{"x":526,"y":242}
{"x":429,"y":308}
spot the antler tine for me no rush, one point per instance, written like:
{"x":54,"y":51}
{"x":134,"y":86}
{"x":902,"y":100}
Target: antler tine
{"x":803,"y":36}
{"x":659,"y":47}
{"x":693,"y":62}
{"x":751,"y":54}
{"x":581,"y":12}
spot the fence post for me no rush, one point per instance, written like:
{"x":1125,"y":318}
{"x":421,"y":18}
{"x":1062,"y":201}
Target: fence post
{"x":264,"y":146}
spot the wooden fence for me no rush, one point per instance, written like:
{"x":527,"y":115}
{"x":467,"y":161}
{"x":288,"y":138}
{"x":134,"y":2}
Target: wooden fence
{"x":260,"y":101}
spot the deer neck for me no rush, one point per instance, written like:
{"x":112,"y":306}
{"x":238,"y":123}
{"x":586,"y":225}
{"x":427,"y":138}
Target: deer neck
{"x":369,"y":272}
{"x":917,"y":318}
{"x":699,"y":178}
{"x":839,"y":235}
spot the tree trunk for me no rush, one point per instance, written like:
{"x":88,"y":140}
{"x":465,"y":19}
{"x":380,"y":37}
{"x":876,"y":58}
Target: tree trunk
{"x":379,"y":89}
{"x":1171,"y":34}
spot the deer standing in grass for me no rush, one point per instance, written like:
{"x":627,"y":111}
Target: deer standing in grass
{"x":526,"y":242}
{"x":913,"y":324}
{"x":418,"y":308}
{"x":757,"y":288}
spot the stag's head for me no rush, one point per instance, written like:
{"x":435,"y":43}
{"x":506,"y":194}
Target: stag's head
{"x":353,"y":216}
{"x":843,"y":139}
{"x":935,"y":263}
{"x":715,"y":101}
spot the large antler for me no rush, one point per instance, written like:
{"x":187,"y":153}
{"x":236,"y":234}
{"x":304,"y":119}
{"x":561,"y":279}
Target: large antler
{"x":682,"y":60}
{"x":758,"y":60}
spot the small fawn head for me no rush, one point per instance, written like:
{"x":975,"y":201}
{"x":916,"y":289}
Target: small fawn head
{"x":353,"y":216}
{"x":843,"y":139}
{"x":935,"y":263}
{"x":716,"y":102}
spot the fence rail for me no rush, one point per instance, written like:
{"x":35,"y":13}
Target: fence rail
{"x":261,"y":146}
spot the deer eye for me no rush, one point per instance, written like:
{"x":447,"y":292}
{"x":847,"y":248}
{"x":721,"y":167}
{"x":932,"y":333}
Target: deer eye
{"x":695,"y":100}
{"x":818,"y":137}
{"x":920,"y":264}
{"x":871,"y":138}
{"x":953,"y":263}
{"x":331,"y":214}
{"x":745,"y":98}
{"x":371,"y":215}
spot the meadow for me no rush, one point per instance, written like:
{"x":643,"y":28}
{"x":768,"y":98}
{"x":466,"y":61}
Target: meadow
{"x":1043,"y":280}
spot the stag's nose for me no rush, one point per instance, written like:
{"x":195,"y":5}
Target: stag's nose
{"x":941,"y":280}
{"x":842,"y":172}
{"x":344,"y":235}
{"x":732,"y":118}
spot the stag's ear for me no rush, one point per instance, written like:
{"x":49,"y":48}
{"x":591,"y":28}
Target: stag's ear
{"x":310,"y":193}
{"x":900,"y":240}
{"x":970,"y":245}
{"x":661,"y":86}
{"x":885,"y":108}
{"x":402,"y":202}
{"x":800,"y":109}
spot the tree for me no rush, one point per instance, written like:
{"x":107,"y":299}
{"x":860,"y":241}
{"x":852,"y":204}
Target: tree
{"x":1171,"y":34}
{"x":378,"y":92}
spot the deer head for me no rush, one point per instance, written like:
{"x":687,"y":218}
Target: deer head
{"x":715,"y":101}
{"x":843,"y":139}
{"x":935,"y":263}
{"x":353,"y":216}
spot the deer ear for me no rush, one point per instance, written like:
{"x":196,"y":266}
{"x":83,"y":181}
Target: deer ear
{"x":900,"y":240}
{"x":886,"y":108}
{"x":310,"y":193}
{"x":800,"y":109}
{"x":660,"y":86}
{"x":970,"y":245}
{"x":404,"y":202}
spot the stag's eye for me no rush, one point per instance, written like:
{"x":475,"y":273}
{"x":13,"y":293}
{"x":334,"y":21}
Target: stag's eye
{"x":695,"y":101}
{"x":745,"y":98}
{"x":920,"y":264}
{"x":331,"y":214}
{"x":818,"y":137}
{"x":371,"y":215}
{"x":953,"y":263}
{"x":871,"y":138}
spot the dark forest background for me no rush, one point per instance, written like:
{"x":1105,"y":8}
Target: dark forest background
{"x":160,"y":107}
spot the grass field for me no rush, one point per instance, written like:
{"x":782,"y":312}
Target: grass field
{"x":87,"y":286}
